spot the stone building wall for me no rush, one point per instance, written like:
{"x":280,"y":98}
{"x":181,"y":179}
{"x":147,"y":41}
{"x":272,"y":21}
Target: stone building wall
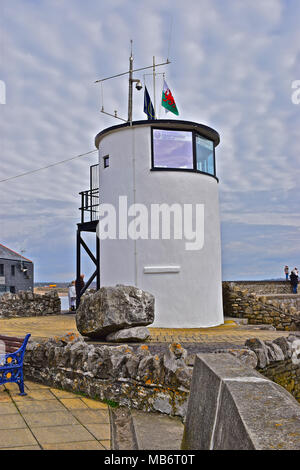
{"x":28,"y":304}
{"x":17,"y":280}
{"x":260,"y":309}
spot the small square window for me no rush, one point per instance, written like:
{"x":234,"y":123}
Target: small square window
{"x":106,"y":161}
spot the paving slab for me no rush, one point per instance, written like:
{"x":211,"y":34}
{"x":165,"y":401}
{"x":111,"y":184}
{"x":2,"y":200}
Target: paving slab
{"x":14,"y":421}
{"x":39,"y":406}
{"x":61,"y":434}
{"x":100,"y":431}
{"x":54,"y":418}
{"x":16,"y":437}
{"x":73,"y":403}
{"x":7,"y":409}
{"x":91,"y":416}
{"x":87,"y":445}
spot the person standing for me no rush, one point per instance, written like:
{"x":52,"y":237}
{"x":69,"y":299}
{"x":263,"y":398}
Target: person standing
{"x":72,"y":297}
{"x":79,"y":285}
{"x":294,"y":280}
{"x":286,"y":272}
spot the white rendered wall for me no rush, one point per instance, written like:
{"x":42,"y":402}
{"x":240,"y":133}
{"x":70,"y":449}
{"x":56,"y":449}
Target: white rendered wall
{"x":191,"y":296}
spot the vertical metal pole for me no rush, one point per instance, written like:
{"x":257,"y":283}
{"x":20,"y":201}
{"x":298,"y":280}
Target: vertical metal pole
{"x":154,"y":96}
{"x":98,"y":261}
{"x":78,"y":267}
{"x":130,"y":87}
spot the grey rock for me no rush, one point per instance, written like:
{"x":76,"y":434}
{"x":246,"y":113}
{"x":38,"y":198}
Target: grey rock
{"x":275,"y":353}
{"x":247,"y":357}
{"x":136,"y":334}
{"x":111,"y":309}
{"x":261,"y":351}
{"x":285,"y":346}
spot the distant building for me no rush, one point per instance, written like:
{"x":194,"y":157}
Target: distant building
{"x":16,"y":271}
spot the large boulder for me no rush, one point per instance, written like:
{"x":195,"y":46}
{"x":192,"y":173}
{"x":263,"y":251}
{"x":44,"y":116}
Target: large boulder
{"x":112,"y":309}
{"x":129,"y":335}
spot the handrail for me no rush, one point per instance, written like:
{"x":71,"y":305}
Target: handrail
{"x":89,"y":204}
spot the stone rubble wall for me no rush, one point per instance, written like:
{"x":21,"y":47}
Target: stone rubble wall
{"x":279,"y":361}
{"x":290,"y":300}
{"x":28,"y":304}
{"x":260,"y":309}
{"x":264,"y":287}
{"x":134,"y":379}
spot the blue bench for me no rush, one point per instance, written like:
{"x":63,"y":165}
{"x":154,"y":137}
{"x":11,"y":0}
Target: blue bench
{"x":12,"y":352}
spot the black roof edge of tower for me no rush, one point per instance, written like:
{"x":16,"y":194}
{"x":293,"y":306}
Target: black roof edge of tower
{"x":204,"y":130}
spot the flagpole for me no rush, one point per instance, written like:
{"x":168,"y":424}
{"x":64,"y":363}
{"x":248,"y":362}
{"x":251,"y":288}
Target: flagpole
{"x":154,"y":87}
{"x":130,"y":86}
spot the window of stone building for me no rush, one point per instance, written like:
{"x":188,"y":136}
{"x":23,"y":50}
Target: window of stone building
{"x":13,"y":270}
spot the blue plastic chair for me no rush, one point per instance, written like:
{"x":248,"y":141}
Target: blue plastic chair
{"x":11,"y":363}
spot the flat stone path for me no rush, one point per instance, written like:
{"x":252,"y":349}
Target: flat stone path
{"x":51,"y":419}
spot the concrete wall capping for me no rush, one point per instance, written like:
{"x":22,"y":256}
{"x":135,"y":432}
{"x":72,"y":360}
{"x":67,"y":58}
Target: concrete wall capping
{"x":222,"y":395}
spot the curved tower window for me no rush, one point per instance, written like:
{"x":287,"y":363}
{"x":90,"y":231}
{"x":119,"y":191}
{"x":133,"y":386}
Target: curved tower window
{"x":182,"y":150}
{"x":205,"y":155}
{"x":173,"y":149}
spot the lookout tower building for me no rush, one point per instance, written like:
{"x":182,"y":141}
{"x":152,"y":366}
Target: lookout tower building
{"x":159,"y":193}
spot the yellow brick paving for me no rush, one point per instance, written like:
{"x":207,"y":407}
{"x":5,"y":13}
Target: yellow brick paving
{"x":58,"y":325}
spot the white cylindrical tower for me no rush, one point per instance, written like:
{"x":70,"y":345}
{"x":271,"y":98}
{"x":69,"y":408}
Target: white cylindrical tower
{"x":160,"y":226}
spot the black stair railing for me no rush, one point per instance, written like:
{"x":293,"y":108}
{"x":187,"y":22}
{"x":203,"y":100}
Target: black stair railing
{"x":89,"y":205}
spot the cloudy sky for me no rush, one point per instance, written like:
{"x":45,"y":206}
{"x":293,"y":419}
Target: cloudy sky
{"x":233,"y":65}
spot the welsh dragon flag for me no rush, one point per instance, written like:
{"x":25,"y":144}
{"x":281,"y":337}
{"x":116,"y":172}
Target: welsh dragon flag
{"x":167,"y":100}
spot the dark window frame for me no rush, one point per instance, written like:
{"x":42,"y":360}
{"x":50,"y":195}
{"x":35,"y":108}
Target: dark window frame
{"x":190,"y":170}
{"x":1,"y":269}
{"x":106,"y":161}
{"x":12,"y":270}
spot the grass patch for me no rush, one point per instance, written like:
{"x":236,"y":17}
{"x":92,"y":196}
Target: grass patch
{"x":111,"y":403}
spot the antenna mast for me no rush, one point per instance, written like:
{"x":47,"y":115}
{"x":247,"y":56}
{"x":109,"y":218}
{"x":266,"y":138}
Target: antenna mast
{"x":132,"y":80}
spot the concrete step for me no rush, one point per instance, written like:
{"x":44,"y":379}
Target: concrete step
{"x":239,"y":321}
{"x":155,"y":431}
{"x":138,"y":430}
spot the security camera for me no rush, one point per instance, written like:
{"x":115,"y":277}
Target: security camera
{"x":139,"y":86}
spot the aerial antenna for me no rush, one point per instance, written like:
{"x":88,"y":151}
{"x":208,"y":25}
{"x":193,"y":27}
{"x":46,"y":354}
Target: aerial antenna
{"x":131,"y":80}
{"x":153,"y":74}
{"x":170,"y":37}
{"x":23,"y":269}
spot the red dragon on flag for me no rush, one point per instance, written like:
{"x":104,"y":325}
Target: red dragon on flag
{"x":168,"y":101}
